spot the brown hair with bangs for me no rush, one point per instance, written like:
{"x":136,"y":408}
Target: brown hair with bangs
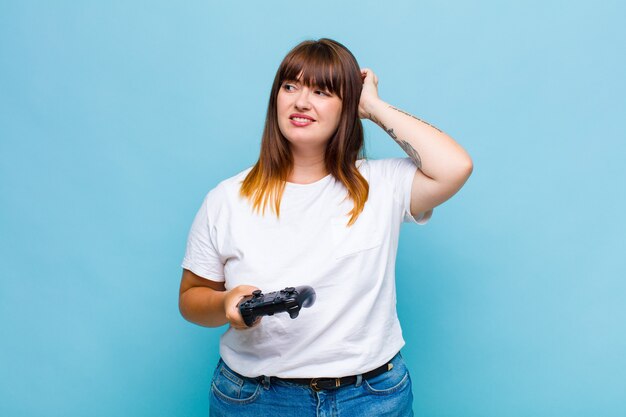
{"x":329,"y":65}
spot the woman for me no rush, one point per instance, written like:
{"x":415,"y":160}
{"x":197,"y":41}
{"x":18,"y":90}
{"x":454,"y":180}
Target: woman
{"x":334,"y":226}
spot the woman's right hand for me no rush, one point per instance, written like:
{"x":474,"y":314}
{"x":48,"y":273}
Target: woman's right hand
{"x":231,"y":308}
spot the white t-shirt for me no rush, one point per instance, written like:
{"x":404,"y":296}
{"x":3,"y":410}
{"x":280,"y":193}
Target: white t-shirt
{"x":353,"y":326}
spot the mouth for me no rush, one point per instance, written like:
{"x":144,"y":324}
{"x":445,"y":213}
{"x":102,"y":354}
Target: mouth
{"x":301,"y":118}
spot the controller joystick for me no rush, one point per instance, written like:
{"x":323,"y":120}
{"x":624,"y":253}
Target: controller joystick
{"x":289,"y":300}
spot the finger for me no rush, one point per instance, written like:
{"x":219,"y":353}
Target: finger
{"x":234,"y":316}
{"x":237,"y":321}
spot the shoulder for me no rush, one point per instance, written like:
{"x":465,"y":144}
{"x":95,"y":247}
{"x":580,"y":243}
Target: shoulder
{"x":234,"y":183}
{"x":388,"y":167}
{"x":225,"y":192}
{"x":387,"y":163}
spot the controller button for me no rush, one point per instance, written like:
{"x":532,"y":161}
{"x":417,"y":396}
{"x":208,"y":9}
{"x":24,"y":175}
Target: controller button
{"x":290,"y":290}
{"x":257,"y":293}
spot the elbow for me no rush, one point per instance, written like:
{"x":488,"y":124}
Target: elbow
{"x":468,"y":167}
{"x":182,"y":306}
{"x":464,"y":168}
{"x":462,"y":172}
{"x":465,"y":164}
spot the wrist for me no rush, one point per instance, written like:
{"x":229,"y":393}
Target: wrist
{"x":224,"y":298}
{"x":373,"y":108}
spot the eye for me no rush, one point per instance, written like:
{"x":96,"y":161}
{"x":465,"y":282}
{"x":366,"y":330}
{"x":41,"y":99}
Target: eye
{"x":323,"y":93}
{"x":289,"y":87}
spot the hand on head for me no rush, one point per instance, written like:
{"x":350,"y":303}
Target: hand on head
{"x":369,"y":94}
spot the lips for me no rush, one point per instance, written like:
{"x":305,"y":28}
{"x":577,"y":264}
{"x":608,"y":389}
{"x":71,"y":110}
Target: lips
{"x":301,"y":118}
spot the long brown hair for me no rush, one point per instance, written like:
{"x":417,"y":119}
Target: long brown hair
{"x":329,"y":65}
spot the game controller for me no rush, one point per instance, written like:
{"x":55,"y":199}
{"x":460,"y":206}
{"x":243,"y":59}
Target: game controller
{"x":289,"y":300}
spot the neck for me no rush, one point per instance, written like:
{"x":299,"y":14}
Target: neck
{"x":307,"y":168}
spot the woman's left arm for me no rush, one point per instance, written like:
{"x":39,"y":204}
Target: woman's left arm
{"x":443,"y":165}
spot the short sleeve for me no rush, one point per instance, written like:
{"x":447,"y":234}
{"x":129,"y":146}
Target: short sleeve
{"x":201,"y":256}
{"x":400,"y":173}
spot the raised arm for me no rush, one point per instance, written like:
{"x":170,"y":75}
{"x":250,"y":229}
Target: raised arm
{"x":443,"y":165}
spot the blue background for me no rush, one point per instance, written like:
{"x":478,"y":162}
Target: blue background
{"x":117,"y":117}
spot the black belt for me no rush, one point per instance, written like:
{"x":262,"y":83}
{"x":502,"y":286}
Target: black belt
{"x":318,"y":384}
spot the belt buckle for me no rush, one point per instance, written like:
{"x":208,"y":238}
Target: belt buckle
{"x":314,"y":382}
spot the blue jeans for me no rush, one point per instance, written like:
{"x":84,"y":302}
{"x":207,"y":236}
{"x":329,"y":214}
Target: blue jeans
{"x":388,"y":394}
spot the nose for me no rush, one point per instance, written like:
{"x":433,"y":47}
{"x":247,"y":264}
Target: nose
{"x":302,"y":99}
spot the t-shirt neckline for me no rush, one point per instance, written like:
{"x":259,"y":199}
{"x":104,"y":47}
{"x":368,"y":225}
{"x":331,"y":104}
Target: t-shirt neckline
{"x":311,"y":184}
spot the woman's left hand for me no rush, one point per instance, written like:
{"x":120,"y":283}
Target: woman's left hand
{"x":369,"y":94}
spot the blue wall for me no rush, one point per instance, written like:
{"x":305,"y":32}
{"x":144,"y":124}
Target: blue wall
{"x":117,"y":117}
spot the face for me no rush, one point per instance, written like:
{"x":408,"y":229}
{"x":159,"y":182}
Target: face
{"x":307,"y":115}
